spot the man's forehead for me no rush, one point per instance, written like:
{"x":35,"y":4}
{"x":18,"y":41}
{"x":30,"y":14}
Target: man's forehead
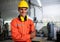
{"x":23,"y":8}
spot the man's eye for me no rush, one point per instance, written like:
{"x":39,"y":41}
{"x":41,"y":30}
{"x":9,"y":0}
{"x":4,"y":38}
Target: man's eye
{"x":25,"y":9}
{"x":21,"y":9}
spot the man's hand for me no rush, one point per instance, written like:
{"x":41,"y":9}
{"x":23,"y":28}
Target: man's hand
{"x":33,"y":34}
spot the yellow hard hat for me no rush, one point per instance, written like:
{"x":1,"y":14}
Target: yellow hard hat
{"x":23,"y":3}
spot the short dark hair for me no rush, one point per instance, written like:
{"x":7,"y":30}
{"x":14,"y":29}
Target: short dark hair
{"x":22,"y":7}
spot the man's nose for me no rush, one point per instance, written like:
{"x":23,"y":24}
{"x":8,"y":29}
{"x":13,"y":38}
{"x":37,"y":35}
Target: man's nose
{"x":23,"y":10}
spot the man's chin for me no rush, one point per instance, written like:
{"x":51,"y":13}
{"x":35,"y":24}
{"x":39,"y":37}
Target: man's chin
{"x":23,"y":14}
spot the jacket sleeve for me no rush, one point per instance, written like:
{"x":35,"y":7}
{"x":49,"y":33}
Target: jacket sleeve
{"x":32,"y":26}
{"x":32,"y":30}
{"x":14,"y":31}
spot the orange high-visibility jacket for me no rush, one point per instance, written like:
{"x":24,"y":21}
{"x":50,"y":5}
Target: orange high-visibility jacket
{"x":20,"y":31}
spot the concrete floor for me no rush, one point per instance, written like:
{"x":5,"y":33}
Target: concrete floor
{"x":36,"y":39}
{"x":12,"y":41}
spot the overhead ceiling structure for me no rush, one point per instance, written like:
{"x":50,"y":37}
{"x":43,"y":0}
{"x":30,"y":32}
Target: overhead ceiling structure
{"x":36,"y":3}
{"x":51,"y":10}
{"x":50,"y":2}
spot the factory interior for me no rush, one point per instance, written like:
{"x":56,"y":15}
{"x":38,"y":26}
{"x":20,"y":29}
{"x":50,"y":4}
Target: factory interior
{"x":44,"y":13}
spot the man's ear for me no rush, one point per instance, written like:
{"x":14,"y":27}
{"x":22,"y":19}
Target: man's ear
{"x":18,"y":8}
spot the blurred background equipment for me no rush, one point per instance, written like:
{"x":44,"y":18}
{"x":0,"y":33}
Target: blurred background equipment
{"x":50,"y":27}
{"x":6,"y":31}
{"x":1,"y":28}
{"x":58,"y":36}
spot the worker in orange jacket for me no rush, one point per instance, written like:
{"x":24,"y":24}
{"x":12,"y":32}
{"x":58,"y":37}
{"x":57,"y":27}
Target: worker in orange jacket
{"x":22,"y":27}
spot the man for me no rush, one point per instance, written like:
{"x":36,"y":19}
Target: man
{"x":22,"y":28}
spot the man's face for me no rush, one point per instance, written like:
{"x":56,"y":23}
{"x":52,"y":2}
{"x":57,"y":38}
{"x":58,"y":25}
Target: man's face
{"x":22,"y":11}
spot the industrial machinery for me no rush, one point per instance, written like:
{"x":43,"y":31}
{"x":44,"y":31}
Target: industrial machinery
{"x":50,"y":27}
{"x":1,"y":29}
